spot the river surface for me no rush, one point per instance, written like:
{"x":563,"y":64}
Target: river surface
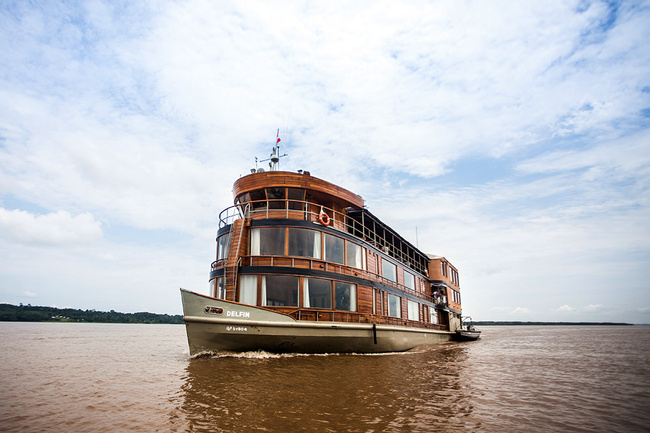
{"x":140,"y":378}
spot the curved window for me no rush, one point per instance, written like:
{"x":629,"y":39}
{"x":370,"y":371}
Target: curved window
{"x":317,"y":293}
{"x":304,"y":243}
{"x":334,"y":249}
{"x":280,"y":290}
{"x":223,"y":245}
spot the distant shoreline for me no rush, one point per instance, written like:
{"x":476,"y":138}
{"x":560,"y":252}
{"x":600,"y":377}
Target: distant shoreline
{"x":517,"y":323}
{"x":29,"y":313}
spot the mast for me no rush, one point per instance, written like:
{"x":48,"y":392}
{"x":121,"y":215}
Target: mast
{"x":274,"y":165}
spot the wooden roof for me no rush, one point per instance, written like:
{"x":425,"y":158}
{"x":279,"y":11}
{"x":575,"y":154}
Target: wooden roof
{"x":278,"y":179}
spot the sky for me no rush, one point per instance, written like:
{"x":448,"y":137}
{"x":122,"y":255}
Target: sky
{"x":513,"y":138}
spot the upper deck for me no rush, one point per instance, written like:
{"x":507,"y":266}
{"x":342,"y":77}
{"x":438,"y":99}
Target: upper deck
{"x":300,"y":196}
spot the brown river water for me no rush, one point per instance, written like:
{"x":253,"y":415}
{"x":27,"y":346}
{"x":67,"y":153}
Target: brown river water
{"x":139,"y":378}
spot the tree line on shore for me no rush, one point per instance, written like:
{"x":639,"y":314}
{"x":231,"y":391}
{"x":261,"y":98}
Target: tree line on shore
{"x":29,"y":313}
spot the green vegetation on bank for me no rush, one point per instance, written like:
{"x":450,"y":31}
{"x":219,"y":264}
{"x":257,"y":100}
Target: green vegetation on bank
{"x":28,"y":313}
{"x":491,"y":323}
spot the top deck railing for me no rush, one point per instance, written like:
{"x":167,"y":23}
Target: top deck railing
{"x":309,"y":211}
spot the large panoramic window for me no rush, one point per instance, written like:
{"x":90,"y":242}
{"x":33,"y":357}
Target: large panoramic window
{"x":259,"y":199}
{"x":248,"y":289}
{"x":345,"y":296}
{"x":280,"y":290}
{"x":304,"y":243}
{"x":394,"y":307}
{"x":409,"y":280}
{"x":388,"y":270}
{"x":296,"y":198}
{"x":317,"y":293}
{"x":267,"y":241}
{"x":276,"y":198}
{"x":354,"y":255}
{"x":413,"y":310}
{"x":223,"y":245}
{"x":334,"y":249}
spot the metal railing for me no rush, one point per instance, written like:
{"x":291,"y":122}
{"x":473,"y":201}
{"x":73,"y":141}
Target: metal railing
{"x":309,"y":211}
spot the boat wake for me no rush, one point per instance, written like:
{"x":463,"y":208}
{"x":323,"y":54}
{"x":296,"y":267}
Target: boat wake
{"x":261,"y":354}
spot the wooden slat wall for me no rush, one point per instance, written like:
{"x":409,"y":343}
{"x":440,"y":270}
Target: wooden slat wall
{"x":364,"y":299}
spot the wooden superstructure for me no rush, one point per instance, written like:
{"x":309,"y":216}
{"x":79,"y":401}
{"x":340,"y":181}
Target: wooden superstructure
{"x":304,"y":247}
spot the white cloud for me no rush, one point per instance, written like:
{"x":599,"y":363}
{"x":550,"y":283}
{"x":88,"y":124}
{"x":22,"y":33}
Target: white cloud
{"x":57,"y":228}
{"x":591,"y":308}
{"x":521,"y":310}
{"x":565,"y":308}
{"x":139,"y":118}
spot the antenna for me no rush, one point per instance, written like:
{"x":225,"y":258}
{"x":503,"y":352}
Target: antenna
{"x":275,"y":156}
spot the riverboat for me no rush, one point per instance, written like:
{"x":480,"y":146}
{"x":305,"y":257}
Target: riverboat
{"x":302,"y":266}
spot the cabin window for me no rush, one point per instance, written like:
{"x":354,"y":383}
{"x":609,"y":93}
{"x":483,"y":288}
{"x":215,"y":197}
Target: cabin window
{"x":334,"y":249}
{"x":259,"y":199}
{"x":345,"y":296}
{"x":409,"y":280}
{"x":296,"y":198}
{"x":276,"y":198}
{"x":304,"y":243}
{"x":280,"y":290}
{"x":433,"y":316}
{"x":267,"y":241}
{"x":248,"y":289}
{"x":317,"y":293}
{"x":389,"y":270}
{"x":394,"y":307}
{"x":223,"y":245}
{"x":353,"y":255}
{"x":413,"y":310}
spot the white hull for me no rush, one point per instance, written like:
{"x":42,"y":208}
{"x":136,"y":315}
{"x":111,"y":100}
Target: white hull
{"x":215,"y":325}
